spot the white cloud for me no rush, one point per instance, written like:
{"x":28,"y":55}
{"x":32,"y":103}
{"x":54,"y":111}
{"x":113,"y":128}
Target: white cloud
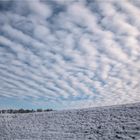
{"x":39,"y":8}
{"x":68,"y":53}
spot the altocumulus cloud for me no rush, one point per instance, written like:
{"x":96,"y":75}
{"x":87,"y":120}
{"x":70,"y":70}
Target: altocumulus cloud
{"x":69,"y":54}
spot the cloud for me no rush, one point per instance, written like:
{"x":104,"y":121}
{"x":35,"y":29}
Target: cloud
{"x":71,"y":54}
{"x":39,"y":9}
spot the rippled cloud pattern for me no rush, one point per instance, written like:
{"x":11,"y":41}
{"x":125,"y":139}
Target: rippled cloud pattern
{"x":69,"y":54}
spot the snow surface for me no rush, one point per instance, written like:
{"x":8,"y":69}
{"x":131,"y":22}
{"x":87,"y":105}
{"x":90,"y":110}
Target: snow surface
{"x":105,"y":123}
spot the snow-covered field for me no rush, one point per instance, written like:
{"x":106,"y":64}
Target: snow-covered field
{"x":105,"y":123}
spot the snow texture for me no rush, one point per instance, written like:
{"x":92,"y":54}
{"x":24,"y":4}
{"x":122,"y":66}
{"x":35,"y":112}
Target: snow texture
{"x":101,"y":123}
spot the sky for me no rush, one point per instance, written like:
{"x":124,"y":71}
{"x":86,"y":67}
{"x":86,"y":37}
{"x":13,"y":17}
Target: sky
{"x":65,"y":54}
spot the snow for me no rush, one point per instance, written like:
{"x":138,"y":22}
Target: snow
{"x":101,"y":123}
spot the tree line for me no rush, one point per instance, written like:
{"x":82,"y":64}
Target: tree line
{"x":14,"y":111}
